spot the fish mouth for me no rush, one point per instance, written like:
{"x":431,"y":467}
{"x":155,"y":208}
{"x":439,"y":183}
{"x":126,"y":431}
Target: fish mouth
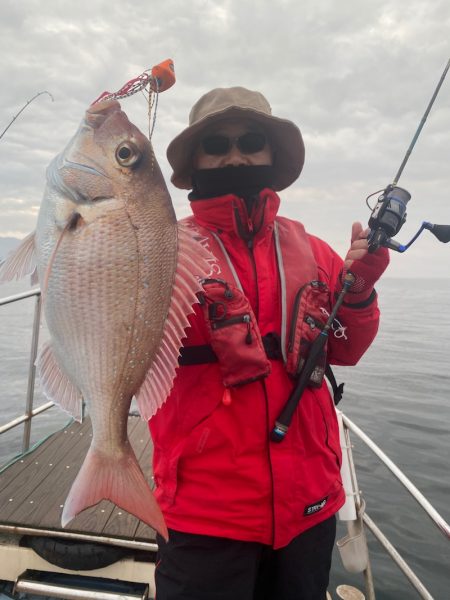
{"x":97,"y":113}
{"x":104,"y":106}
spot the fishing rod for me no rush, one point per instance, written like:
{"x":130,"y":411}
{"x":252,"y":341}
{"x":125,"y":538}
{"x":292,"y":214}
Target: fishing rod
{"x":386,"y":220}
{"x":389,"y":213}
{"x":22,"y":109}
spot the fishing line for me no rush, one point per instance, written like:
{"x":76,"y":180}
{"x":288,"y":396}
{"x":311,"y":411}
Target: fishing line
{"x":153,"y":96}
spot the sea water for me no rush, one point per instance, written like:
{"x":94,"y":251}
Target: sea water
{"x":399,"y":394}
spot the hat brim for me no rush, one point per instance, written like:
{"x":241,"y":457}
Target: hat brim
{"x":284,"y":136}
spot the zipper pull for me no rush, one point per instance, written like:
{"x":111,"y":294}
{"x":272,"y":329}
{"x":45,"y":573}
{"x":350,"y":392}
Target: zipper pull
{"x":228,"y":293}
{"x":311,"y":322}
{"x":248,"y":337}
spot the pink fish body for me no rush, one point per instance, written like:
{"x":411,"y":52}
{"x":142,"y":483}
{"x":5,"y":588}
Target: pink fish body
{"x":119,"y":278}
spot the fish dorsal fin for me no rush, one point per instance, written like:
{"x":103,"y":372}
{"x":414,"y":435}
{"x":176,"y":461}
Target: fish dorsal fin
{"x":193,"y":264}
{"x":56,"y":385}
{"x":20,"y":262}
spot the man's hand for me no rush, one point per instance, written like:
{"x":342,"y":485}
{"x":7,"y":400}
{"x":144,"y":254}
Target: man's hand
{"x":359,"y":247}
{"x":366,"y":267}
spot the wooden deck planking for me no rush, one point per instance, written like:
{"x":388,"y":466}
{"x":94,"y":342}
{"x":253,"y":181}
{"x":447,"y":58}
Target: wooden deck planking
{"x":31,"y":473}
{"x":18,"y":476}
{"x":42,"y":505}
{"x":33,"y":489}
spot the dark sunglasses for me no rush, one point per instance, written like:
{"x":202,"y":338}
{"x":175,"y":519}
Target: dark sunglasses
{"x":247,"y":143}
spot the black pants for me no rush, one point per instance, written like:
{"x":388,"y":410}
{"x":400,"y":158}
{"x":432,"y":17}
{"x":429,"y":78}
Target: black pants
{"x":197,"y":567}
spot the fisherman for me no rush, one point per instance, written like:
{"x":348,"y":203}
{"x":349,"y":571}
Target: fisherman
{"x":250,"y":518}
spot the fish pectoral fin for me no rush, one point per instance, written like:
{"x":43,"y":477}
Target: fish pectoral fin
{"x":20,"y":262}
{"x":193,"y":264}
{"x":119,"y":480}
{"x":56,"y":384}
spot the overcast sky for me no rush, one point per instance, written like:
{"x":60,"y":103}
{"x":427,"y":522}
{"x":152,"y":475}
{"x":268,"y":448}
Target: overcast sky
{"x":355,"y":75}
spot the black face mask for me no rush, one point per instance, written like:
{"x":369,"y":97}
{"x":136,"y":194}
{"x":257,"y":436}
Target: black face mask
{"x":244,"y":181}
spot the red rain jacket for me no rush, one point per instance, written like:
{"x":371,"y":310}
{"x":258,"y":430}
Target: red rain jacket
{"x":216,"y":472}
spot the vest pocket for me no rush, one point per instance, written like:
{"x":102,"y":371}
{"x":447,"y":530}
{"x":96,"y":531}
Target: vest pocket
{"x":234,"y":334}
{"x":307,"y":321}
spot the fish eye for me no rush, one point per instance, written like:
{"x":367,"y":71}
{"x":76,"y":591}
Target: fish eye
{"x":127,"y":154}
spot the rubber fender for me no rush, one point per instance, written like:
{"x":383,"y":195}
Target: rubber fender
{"x":76,"y":555}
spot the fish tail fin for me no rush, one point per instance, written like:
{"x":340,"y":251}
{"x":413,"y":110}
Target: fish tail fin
{"x":121,"y":481}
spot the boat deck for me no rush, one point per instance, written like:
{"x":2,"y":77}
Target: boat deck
{"x":33,"y":489}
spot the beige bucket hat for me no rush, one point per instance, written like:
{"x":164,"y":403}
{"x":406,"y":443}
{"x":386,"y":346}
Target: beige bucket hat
{"x":221,"y":103}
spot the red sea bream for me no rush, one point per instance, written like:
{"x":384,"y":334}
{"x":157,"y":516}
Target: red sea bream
{"x":118,"y":278}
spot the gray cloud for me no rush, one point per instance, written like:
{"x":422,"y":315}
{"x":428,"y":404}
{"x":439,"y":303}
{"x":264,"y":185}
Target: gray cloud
{"x":355,"y":75}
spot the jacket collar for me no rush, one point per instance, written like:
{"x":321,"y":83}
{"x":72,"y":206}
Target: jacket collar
{"x":229,"y":214}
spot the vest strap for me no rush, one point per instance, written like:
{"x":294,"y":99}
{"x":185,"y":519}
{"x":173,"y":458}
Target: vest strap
{"x":203,"y":354}
{"x":196,"y":355}
{"x":199,"y":355}
{"x":338,"y":390}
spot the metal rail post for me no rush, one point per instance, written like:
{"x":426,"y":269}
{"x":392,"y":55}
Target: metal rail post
{"x":368,"y":576}
{"x":31,"y":374}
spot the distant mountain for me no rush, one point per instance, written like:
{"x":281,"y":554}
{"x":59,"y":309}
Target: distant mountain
{"x":7,"y":244}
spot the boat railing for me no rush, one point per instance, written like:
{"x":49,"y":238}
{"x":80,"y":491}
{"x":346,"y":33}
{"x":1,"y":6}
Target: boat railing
{"x":30,"y":411}
{"x":407,"y":483}
{"x":424,"y":504}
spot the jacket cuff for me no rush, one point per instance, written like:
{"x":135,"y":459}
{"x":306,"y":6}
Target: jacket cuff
{"x":361,"y":300}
